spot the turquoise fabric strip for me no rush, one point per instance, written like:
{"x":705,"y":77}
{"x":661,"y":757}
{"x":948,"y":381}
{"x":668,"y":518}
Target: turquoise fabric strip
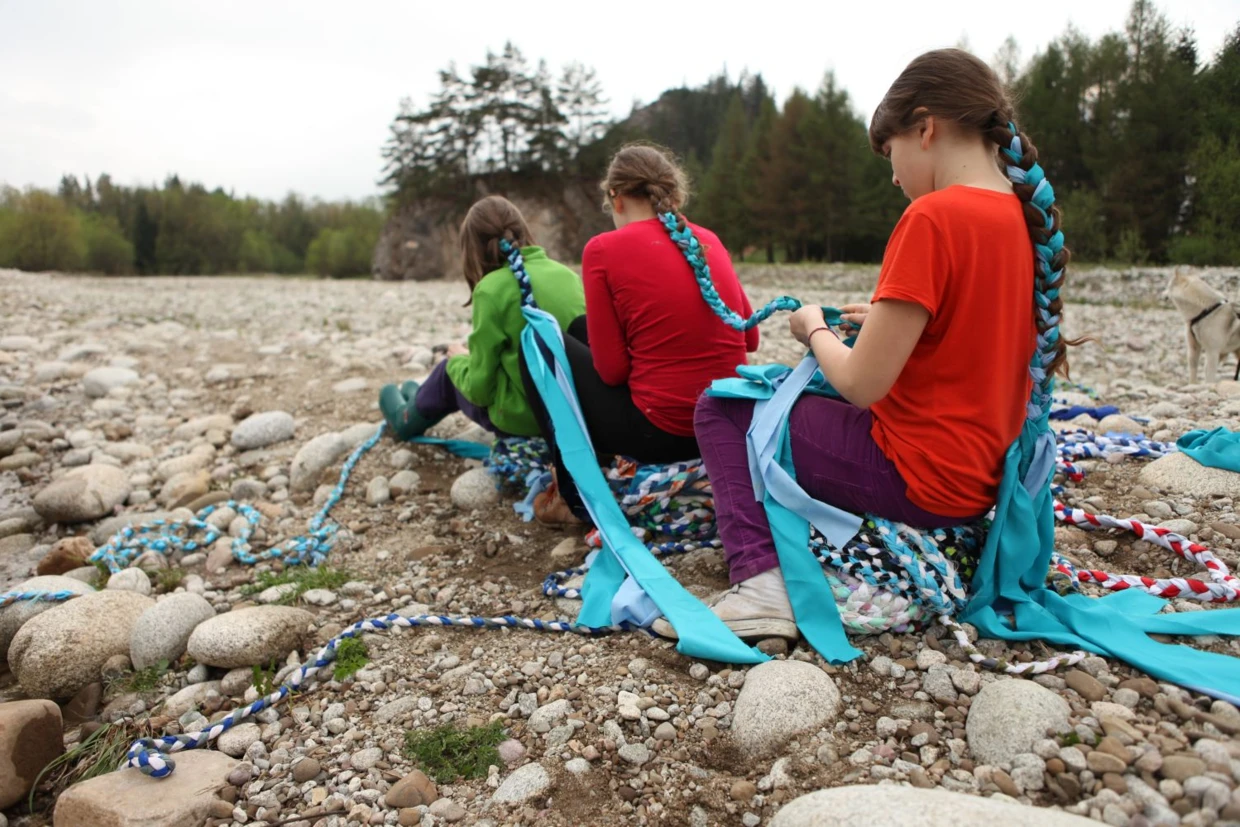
{"x":1011,"y":601}
{"x":702,"y":634}
{"x":459,"y":447}
{"x":1219,"y":448}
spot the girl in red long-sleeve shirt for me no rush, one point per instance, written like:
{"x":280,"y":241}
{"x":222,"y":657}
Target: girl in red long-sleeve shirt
{"x":649,"y":344}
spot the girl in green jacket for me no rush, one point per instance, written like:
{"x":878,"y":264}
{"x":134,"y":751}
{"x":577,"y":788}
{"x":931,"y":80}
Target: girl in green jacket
{"x":483,"y":380}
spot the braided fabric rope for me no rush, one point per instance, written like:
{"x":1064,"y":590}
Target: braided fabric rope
{"x":151,"y":756}
{"x":682,"y":236}
{"x":514,"y":458}
{"x":166,"y":537}
{"x":169,"y":537}
{"x":1082,"y":443}
{"x":1224,"y":586}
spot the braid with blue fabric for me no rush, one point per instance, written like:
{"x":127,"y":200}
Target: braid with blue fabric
{"x":516,"y":263}
{"x":647,"y":172}
{"x":682,"y":235}
{"x":1020,"y":159}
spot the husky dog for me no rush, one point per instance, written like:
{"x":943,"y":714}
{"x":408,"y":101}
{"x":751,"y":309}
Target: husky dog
{"x":1213,"y":323}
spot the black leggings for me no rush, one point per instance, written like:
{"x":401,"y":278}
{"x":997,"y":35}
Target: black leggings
{"x":615,"y":423}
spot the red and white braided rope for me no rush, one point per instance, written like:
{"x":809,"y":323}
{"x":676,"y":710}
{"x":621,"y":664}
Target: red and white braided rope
{"x":1224,"y":588}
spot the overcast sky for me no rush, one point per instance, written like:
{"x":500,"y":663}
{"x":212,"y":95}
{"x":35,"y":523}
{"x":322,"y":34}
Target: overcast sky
{"x":265,"y":97}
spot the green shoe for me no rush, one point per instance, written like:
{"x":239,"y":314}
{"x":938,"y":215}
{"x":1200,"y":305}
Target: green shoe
{"x":401,"y":414}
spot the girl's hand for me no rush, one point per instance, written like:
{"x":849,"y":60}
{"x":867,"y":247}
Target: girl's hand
{"x":853,"y":315}
{"x":457,"y":349}
{"x":805,"y":321}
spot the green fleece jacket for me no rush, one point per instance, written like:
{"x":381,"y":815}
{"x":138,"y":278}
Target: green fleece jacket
{"x":490,"y":374}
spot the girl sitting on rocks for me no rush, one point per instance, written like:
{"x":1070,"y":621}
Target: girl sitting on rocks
{"x":482,"y":380}
{"x":648,"y":344}
{"x":936,"y":386}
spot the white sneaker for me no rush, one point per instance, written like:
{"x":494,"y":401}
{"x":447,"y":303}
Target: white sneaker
{"x":754,"y":609}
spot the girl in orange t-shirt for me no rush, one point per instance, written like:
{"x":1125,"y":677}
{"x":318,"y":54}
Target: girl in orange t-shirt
{"x":937,"y":382}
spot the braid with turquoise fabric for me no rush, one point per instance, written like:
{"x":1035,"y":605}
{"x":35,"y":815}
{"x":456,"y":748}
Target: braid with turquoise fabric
{"x":1050,"y":258}
{"x":682,"y":235}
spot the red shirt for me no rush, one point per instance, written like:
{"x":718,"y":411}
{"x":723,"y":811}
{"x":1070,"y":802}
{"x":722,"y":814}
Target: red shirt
{"x":965,"y":255}
{"x":649,"y":325}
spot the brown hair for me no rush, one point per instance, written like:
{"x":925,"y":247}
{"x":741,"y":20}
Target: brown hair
{"x":487,"y":221}
{"x":956,"y":86}
{"x":645,"y":170}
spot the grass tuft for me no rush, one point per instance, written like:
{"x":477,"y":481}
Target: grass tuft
{"x":447,"y":753}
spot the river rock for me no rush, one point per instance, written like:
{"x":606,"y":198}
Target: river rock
{"x":163,"y":630}
{"x":524,"y":784}
{"x":404,"y":482}
{"x":126,"y":798}
{"x":474,"y":489}
{"x":100,"y":381}
{"x":249,"y":637}
{"x":56,"y":653}
{"x":315,"y":457}
{"x":1008,"y":717}
{"x":14,"y":616}
{"x":885,"y":804}
{"x":780,"y":699}
{"x":1180,"y":474}
{"x":263,"y":429}
{"x":13,"y":343}
{"x":30,"y":738}
{"x":68,"y":554}
{"x":184,"y":488}
{"x":130,"y":580}
{"x":200,"y":425}
{"x":85,"y":493}
{"x":237,"y":740}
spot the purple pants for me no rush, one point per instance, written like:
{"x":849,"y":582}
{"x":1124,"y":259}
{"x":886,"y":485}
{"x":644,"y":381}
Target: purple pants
{"x":836,"y":461}
{"x":437,"y":397}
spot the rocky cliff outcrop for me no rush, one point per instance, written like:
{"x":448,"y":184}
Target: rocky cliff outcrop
{"x":420,"y":240}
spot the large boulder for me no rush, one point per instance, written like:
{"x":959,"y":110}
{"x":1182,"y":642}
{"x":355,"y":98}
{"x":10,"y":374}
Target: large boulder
{"x":163,"y":630}
{"x":127,"y":798}
{"x":781,"y":699}
{"x":85,"y":493}
{"x":13,"y":616}
{"x":263,"y":429}
{"x":1008,"y":716}
{"x":30,"y":738}
{"x":886,"y":805}
{"x":249,"y":637}
{"x":60,"y":651}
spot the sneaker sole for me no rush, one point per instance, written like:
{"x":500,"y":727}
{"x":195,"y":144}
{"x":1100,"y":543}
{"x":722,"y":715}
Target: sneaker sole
{"x":749,"y":629}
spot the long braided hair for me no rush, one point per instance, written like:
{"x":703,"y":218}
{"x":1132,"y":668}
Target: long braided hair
{"x":490,"y":223}
{"x":956,"y":86}
{"x":648,"y":171}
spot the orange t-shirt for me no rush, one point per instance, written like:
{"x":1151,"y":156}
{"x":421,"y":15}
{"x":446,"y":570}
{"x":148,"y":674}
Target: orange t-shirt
{"x":965,"y":255}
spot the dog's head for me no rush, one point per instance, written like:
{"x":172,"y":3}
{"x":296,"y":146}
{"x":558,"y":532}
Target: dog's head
{"x":1176,"y":285}
{"x":1189,"y":293}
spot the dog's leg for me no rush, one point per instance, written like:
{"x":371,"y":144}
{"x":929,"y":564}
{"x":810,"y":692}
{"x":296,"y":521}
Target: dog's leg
{"x":1194,"y":356}
{"x":1211,"y":371}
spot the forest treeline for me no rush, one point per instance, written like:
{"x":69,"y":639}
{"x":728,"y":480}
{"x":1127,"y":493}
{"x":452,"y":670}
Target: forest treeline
{"x":1138,"y":131}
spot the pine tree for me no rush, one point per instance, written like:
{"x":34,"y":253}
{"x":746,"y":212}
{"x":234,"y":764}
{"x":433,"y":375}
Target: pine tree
{"x":579,"y":96}
{"x":722,"y":201}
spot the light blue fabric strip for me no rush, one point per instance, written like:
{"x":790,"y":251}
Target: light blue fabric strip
{"x":767,"y":433}
{"x":702,"y":634}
